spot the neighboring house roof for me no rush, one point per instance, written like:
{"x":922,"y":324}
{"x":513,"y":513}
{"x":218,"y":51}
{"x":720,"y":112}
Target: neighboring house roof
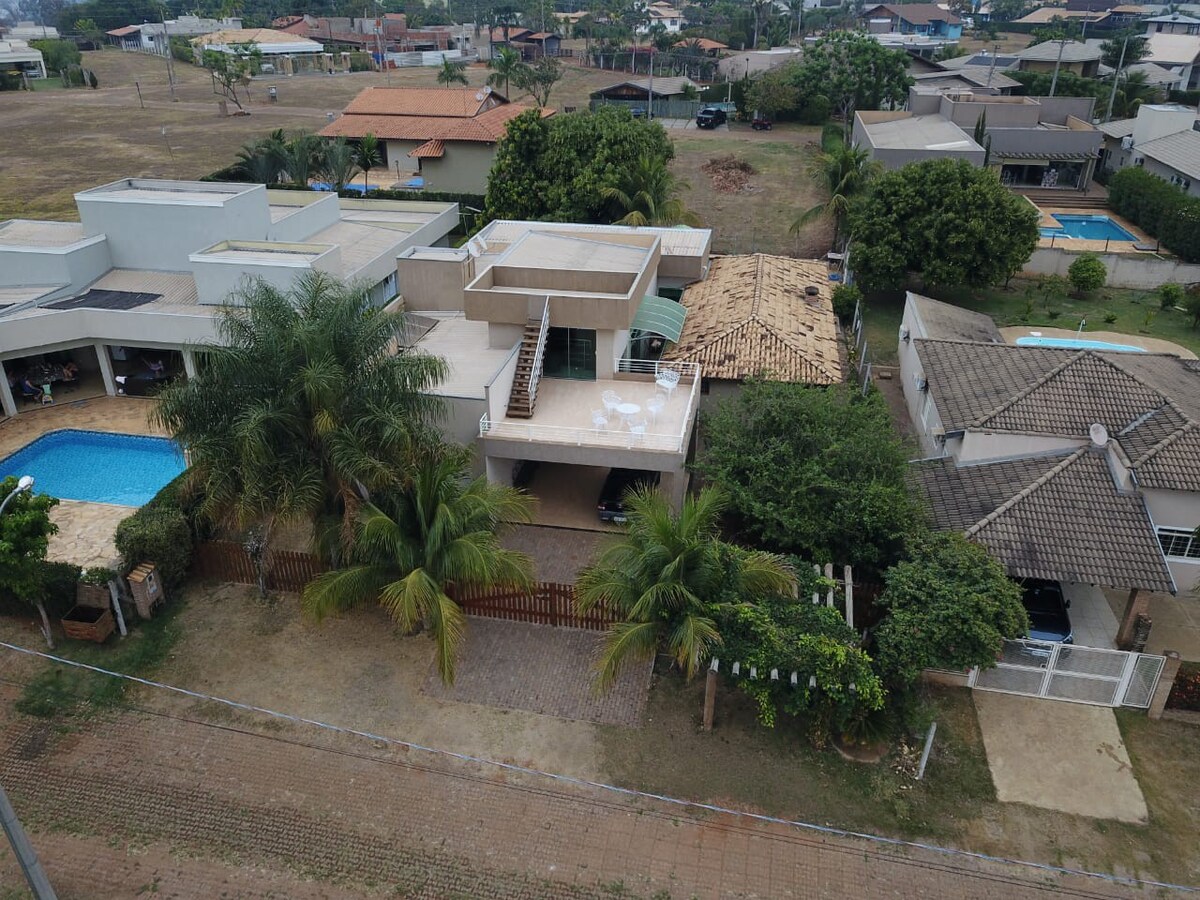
{"x":429,"y":150}
{"x":702,"y":43}
{"x":1057,"y":517}
{"x":1175,"y":18}
{"x":1179,"y":151}
{"x":248,"y":36}
{"x":915,"y":13}
{"x":972,"y":76}
{"x":1168,"y":49}
{"x":122,"y":32}
{"x":1072,"y":51}
{"x":1155,"y":74}
{"x":947,"y":322}
{"x":751,"y":317}
{"x":1118,"y":128}
{"x":427,"y":114}
{"x":1048,"y":14}
{"x":663,"y":87}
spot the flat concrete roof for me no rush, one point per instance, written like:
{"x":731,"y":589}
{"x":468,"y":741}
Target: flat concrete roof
{"x":931,"y":132}
{"x":463,"y":343}
{"x":264,"y":251}
{"x":10,"y":296}
{"x":574,"y":253}
{"x":673,"y":241}
{"x":32,"y":233}
{"x":166,"y":191}
{"x":362,"y":243}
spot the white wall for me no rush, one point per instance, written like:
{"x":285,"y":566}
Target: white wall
{"x":1177,"y":509}
{"x":1124,"y":270}
{"x":981,"y":445}
{"x":31,"y":334}
{"x":75,"y":266}
{"x":305,"y":220}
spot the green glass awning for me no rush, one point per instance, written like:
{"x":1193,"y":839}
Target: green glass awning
{"x":660,"y":316}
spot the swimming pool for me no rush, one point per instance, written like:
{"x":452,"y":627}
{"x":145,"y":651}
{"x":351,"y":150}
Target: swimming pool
{"x":1089,"y":228}
{"x":1076,"y":344}
{"x":123,"y":469}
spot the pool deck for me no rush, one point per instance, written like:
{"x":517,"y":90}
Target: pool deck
{"x":85,"y":530}
{"x":1149,"y":344}
{"x":1079,"y":244}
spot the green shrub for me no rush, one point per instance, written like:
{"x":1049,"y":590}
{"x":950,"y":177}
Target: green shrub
{"x":846,"y":298}
{"x":58,"y":55}
{"x":1109,"y":318}
{"x":360,"y":62}
{"x":160,"y":535}
{"x":59,"y":580}
{"x":1160,"y":208}
{"x":1087,"y":274}
{"x":1170,"y":295}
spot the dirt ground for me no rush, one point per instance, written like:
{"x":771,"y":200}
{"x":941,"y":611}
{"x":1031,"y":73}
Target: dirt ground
{"x":58,"y":142}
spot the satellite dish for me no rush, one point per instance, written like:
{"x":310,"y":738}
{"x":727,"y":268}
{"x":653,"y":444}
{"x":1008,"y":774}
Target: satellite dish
{"x":1099,"y":435}
{"x":480,"y":95}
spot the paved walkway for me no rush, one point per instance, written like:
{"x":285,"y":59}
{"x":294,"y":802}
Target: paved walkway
{"x":1068,"y":757}
{"x":291,"y":802}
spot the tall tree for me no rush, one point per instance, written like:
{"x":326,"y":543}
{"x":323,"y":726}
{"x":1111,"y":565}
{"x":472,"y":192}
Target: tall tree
{"x":648,"y":194}
{"x":302,"y":408}
{"x":945,"y":220}
{"x":844,"y":171}
{"x":451,"y":73}
{"x":662,"y":575}
{"x":816,"y":472}
{"x":506,"y":65}
{"x":25,"y":531}
{"x":539,"y":79}
{"x":855,"y":72}
{"x":368,"y":156}
{"x":417,"y":546}
{"x":1136,"y":47}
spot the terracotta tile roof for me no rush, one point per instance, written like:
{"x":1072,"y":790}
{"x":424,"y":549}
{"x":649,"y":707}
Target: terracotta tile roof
{"x":916,"y":13}
{"x":246,"y":36}
{"x":121,"y":32}
{"x":751,"y":317}
{"x":429,"y":150}
{"x":1060,"y":518}
{"x":486,"y":127}
{"x":409,"y":101}
{"x":701,"y":43}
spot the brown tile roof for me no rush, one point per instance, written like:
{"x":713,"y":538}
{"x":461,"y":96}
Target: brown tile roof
{"x":423,"y":101}
{"x":1062,"y":519}
{"x":947,"y":322}
{"x":750,"y":317}
{"x":916,"y":13}
{"x":121,"y":32}
{"x":429,"y":150}
{"x":1173,"y":463}
{"x":487,"y":127}
{"x":701,"y":43}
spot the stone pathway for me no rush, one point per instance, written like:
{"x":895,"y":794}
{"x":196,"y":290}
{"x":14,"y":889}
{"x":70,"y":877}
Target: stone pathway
{"x":86,"y":532}
{"x":544,"y":670}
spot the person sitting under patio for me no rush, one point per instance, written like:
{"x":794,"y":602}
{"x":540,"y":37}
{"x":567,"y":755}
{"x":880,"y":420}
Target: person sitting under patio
{"x":157,"y":369}
{"x":70,"y":370}
{"x":29,"y":391}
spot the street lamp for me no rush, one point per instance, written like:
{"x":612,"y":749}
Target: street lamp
{"x":24,"y":483}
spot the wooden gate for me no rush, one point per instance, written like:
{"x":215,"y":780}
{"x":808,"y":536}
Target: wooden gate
{"x":287,"y":570}
{"x":547,"y":604}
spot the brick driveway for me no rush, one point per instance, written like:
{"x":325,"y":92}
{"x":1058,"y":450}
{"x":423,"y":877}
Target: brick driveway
{"x":304,"y":807}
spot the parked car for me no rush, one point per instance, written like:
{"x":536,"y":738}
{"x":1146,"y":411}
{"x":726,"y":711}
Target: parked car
{"x":620,"y":482}
{"x":523,"y":472}
{"x":760,"y":123}
{"x":638,"y":112}
{"x":710,"y":117}
{"x":1047,"y":607}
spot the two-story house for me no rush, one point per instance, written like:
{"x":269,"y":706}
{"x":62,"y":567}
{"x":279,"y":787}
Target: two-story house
{"x":927,"y":19}
{"x":1163,"y":139}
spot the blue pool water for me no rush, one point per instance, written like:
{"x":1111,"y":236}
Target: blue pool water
{"x":1090,"y":228}
{"x":1076,"y":344}
{"x":122,"y":469}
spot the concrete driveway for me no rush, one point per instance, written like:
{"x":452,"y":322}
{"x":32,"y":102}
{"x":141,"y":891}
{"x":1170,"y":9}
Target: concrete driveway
{"x":1067,"y":757}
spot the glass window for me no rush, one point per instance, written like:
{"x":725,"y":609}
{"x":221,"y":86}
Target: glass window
{"x":1179,"y":543}
{"x":570,"y":353}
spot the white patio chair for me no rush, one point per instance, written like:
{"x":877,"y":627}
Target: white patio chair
{"x":668,"y":380}
{"x":655,"y":405}
{"x":637,"y":428}
{"x":599,"y":420}
{"x":611,"y":401}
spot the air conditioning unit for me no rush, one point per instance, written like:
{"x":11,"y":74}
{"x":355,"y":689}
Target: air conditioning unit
{"x":903,"y":333}
{"x":922,"y":384}
{"x":1127,"y":142}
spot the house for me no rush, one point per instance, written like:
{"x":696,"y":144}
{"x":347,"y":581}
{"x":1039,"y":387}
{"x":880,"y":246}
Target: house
{"x":1077,"y":57}
{"x":1163,"y":140}
{"x":749,"y":63}
{"x":18,"y":56}
{"x":966,"y":79}
{"x":154,"y":37}
{"x":1178,"y":53}
{"x":28,"y":31}
{"x":150,"y":262}
{"x":1043,"y":142}
{"x":446,"y":135}
{"x":926,"y":19}
{"x":760,"y":316}
{"x":540,"y":323}
{"x":1156,"y":76}
{"x":662,"y":14}
{"x":287,"y":52}
{"x":704,"y":45}
{"x":1080,"y":466}
{"x":1172,"y":23}
{"x":1047,"y":14}
{"x":641,"y":90}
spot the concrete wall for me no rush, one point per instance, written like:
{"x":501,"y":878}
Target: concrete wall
{"x":438,"y":283}
{"x":499,"y":389}
{"x":160,"y":234}
{"x":75,"y":266}
{"x":910,"y":368}
{"x":464,"y":168}
{"x":1037,"y":140}
{"x":895,"y":159}
{"x":460,"y":421}
{"x":1007,"y":112}
{"x":307,"y":219}
{"x":217,"y":278}
{"x":1142,"y":270}
{"x":1177,"y":509}
{"x":65,"y":328}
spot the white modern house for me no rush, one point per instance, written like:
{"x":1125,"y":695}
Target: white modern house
{"x":1163,"y":139}
{"x":154,"y":37}
{"x":145,"y":270}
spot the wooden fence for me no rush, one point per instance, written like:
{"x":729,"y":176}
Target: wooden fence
{"x":548,"y":604}
{"x":287,"y":570}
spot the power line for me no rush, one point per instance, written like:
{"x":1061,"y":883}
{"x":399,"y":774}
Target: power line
{"x":616,"y":789}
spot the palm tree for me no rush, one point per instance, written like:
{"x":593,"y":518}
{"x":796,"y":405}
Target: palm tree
{"x":451,"y":73}
{"x":368,"y":155}
{"x":648,"y":194}
{"x":302,"y":408}
{"x":338,"y":163}
{"x":263,"y":162}
{"x":663,"y":575}
{"x":417,"y":546}
{"x":1132,"y":91}
{"x":303,"y":156}
{"x":845,"y":170}
{"x":505,"y":65}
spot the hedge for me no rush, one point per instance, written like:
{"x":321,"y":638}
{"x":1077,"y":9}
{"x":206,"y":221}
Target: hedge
{"x":1158,"y":207}
{"x":161,"y":532}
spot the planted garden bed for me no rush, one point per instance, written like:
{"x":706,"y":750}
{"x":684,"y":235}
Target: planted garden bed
{"x":1186,"y":692}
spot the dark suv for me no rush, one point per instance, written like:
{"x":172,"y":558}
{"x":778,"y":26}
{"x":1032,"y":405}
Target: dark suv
{"x":710,"y":117}
{"x":619,"y":483}
{"x":1047,"y":608}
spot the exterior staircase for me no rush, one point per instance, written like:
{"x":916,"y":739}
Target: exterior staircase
{"x":1066,"y":199}
{"x":523,"y":398}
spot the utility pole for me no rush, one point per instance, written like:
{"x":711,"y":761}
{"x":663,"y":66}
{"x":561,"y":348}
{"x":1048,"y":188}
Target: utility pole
{"x":992,"y":67}
{"x":1062,"y":44}
{"x":35,"y":875}
{"x":1116,"y":78}
{"x":650,"y":93}
{"x":162,"y":15}
{"x":1086,"y":17}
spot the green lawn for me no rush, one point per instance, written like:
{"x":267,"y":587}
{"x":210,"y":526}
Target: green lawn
{"x":1136,"y":312}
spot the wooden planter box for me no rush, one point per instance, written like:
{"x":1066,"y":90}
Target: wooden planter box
{"x":87,"y":623}
{"x":92,"y":595}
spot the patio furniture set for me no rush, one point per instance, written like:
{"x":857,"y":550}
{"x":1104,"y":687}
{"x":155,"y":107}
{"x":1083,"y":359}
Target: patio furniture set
{"x":628,"y":413}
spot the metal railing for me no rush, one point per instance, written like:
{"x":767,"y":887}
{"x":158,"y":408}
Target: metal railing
{"x":535,"y":376}
{"x":582,"y":436}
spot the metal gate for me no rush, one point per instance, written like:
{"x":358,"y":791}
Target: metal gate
{"x":1078,"y":674}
